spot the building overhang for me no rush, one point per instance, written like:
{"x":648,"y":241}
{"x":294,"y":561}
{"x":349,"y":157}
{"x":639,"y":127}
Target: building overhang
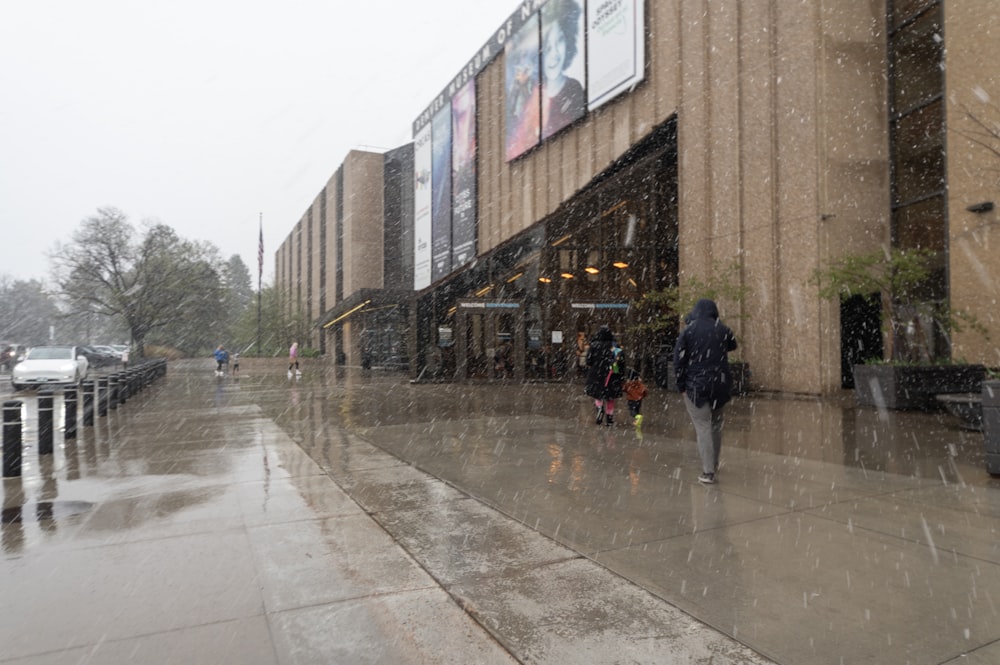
{"x":363,"y":300}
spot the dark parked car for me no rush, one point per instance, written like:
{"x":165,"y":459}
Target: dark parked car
{"x":96,"y":357}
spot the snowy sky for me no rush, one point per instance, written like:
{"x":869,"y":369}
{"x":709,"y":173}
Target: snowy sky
{"x":206,"y":114}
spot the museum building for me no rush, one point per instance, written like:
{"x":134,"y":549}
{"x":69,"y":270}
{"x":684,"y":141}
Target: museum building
{"x":592,"y":153}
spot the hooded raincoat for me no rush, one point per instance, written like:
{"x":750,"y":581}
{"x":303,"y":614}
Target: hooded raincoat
{"x":701,"y":356}
{"x":603,"y":382}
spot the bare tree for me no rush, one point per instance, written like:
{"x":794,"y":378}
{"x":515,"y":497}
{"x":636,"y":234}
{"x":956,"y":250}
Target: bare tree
{"x":150,"y":283}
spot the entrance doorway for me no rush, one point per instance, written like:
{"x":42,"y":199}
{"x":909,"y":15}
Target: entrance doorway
{"x":860,"y":334}
{"x":489,"y":341}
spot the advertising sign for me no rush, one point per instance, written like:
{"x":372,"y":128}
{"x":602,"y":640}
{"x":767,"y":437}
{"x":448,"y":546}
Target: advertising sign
{"x":463,"y":179}
{"x":422,"y":209}
{"x":441,"y":191}
{"x":522,"y":89}
{"x":616,"y":48}
{"x":563,"y":71}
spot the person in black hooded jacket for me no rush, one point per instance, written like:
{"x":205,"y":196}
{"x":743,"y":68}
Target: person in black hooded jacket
{"x":605,"y":374}
{"x":701,"y":367}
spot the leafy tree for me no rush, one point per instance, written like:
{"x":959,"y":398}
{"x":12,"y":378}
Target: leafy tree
{"x":154,"y":283}
{"x":27,"y":311}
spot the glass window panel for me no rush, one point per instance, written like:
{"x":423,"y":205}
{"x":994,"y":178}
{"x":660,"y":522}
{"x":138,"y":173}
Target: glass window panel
{"x":918,"y":154}
{"x":917,"y":57}
{"x":904,"y":9}
{"x":920,"y":226}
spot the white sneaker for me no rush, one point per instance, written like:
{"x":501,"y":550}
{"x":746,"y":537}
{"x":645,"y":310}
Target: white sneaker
{"x":289,"y":374}
{"x":298,"y":373}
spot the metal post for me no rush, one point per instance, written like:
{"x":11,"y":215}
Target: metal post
{"x":88,"y":403}
{"x":113,"y":392}
{"x":102,"y":396}
{"x":69,"y":403}
{"x":45,"y":421}
{"x":12,"y":439}
{"x":123,"y":386}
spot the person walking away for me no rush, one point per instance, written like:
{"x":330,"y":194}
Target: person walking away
{"x":635,"y":391}
{"x":701,"y":367}
{"x":221,"y":359}
{"x":293,"y":359}
{"x":606,"y":367}
{"x":125,"y":359}
{"x":236,"y":363}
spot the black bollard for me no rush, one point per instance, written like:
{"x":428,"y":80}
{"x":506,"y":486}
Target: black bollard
{"x":69,"y":404}
{"x":45,"y":421}
{"x":11,"y":439}
{"x":88,"y":403}
{"x":123,"y":386}
{"x":101,"y":398}
{"x":113,"y":392}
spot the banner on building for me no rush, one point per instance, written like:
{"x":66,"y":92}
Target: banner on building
{"x":463,"y":179}
{"x":616,"y":48}
{"x":522,"y":100}
{"x":441,"y":192}
{"x":563,"y":65}
{"x":422,"y":164}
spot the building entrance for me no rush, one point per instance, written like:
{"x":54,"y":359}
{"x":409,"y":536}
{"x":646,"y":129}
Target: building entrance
{"x":489,"y":341}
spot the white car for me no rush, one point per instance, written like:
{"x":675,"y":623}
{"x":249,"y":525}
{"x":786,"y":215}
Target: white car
{"x":47,"y":365}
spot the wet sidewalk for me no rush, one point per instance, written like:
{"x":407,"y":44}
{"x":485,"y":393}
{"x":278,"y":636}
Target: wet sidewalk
{"x":353,"y":517}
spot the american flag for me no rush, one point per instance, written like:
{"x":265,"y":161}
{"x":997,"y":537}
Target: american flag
{"x":260,"y":252}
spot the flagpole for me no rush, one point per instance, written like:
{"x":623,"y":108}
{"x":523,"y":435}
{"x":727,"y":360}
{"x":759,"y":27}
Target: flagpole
{"x":260,"y":272}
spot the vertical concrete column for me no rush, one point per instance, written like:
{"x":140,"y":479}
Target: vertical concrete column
{"x":12,"y":441}
{"x":45,"y":421}
{"x":69,"y":404}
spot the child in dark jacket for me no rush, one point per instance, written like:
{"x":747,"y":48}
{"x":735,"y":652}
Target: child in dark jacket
{"x":635,"y":391}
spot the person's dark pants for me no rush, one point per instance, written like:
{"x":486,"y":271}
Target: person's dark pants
{"x":634,"y":407}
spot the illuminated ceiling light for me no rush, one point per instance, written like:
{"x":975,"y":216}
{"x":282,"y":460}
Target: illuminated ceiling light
{"x":515,"y":277}
{"x":544,"y":280}
{"x":483,"y":291}
{"x":567,"y":275}
{"x":562,"y":240}
{"x":592,"y":270}
{"x":620,"y":264}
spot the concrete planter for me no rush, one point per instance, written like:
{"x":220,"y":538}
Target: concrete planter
{"x":913,"y":387}
{"x":991,"y":425}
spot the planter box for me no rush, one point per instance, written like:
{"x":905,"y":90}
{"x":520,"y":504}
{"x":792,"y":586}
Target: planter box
{"x":991,"y":425}
{"x":914,"y":387}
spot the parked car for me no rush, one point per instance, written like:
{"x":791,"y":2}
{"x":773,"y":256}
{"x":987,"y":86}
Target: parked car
{"x":113,"y":356}
{"x":96,"y":357}
{"x":46,"y":365}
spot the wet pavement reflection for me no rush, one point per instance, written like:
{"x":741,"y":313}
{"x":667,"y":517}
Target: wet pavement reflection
{"x":497,"y":523}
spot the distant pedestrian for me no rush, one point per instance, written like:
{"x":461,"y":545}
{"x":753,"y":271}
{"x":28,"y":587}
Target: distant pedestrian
{"x":222,"y":360}
{"x":701,"y":366}
{"x":236,"y":363}
{"x":293,"y":359}
{"x":635,"y":391}
{"x":606,"y":367}
{"x":125,"y":359}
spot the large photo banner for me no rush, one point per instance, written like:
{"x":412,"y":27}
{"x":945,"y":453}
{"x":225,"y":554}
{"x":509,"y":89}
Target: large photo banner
{"x":463,"y":179}
{"x":422,"y":165}
{"x":522,"y":89}
{"x":441,"y":188}
{"x":616,"y":48}
{"x":563,"y":65}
